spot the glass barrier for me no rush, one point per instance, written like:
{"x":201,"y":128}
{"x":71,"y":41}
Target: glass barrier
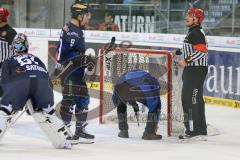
{"x":152,"y":16}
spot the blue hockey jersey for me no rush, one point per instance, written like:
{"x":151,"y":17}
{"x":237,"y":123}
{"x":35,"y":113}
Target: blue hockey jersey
{"x":23,"y":66}
{"x":71,"y":43}
{"x":137,"y":86}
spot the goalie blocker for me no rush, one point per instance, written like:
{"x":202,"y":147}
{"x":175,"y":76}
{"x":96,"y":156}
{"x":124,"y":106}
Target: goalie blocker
{"x":24,"y":77}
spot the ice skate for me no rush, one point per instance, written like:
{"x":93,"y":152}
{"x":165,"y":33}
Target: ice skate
{"x":81,"y":136}
{"x":192,"y":138}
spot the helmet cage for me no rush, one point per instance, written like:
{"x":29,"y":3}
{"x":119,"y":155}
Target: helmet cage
{"x":20,"y":43}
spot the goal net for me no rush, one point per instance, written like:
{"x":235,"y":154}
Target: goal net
{"x":159,"y":64}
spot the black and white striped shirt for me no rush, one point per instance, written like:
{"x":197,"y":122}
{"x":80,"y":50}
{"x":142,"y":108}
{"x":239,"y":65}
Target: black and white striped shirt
{"x":7,"y":35}
{"x":195,"y":47}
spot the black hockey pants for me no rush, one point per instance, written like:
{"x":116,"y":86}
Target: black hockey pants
{"x":192,"y":100}
{"x":152,"y":120}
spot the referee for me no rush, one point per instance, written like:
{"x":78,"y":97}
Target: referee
{"x":7,"y":33}
{"x":195,"y":64}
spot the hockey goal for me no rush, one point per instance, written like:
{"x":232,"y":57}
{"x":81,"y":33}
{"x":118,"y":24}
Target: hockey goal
{"x":159,"y":64}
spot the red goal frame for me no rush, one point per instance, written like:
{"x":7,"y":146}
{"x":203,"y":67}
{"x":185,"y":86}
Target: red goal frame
{"x":143,"y":51}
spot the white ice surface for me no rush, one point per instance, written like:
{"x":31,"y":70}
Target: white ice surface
{"x":25,"y":141}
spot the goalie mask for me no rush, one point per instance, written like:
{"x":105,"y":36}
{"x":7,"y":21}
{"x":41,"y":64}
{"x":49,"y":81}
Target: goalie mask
{"x":3,"y":14}
{"x":20,"y":43}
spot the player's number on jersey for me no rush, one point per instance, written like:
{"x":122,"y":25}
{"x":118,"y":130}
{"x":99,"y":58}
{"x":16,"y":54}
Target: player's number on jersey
{"x":72,"y":42}
{"x":26,"y":61}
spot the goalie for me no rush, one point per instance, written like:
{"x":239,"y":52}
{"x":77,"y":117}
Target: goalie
{"x":138,"y":86}
{"x":24,"y":77}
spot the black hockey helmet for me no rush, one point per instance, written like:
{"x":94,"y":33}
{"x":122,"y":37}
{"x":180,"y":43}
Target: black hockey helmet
{"x":79,"y":7}
{"x":20,"y":43}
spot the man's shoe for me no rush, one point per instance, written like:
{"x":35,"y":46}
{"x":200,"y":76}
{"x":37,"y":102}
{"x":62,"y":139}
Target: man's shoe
{"x":151,"y":136}
{"x":123,"y":134}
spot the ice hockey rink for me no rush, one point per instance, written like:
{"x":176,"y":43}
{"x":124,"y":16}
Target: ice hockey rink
{"x":26,"y":141}
{"x":150,"y":25}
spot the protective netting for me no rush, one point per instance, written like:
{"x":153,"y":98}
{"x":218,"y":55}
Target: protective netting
{"x":160,"y":65}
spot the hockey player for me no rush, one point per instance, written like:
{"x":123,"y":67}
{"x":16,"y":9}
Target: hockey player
{"x":138,"y":86}
{"x":195,"y":64}
{"x":24,"y":77}
{"x":7,"y":33}
{"x":74,"y":89}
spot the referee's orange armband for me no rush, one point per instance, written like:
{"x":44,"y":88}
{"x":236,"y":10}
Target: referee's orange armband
{"x":201,"y":47}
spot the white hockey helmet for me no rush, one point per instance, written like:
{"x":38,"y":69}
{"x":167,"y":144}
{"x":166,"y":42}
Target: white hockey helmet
{"x":20,"y":43}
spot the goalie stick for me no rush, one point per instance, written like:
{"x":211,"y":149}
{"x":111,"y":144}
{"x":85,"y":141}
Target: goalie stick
{"x":19,"y":115}
{"x":13,"y":119}
{"x":12,"y":122}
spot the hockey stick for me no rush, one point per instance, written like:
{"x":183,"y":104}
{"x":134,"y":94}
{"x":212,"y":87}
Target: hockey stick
{"x":18,"y":116}
{"x":109,"y":48}
{"x":15,"y":120}
{"x":64,"y":69}
{"x":136,"y":111}
{"x":137,"y":117}
{"x":11,"y":121}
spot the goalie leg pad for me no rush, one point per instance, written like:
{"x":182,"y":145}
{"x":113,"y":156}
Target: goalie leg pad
{"x":3,"y":123}
{"x":54,"y":128}
{"x":5,"y":119}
